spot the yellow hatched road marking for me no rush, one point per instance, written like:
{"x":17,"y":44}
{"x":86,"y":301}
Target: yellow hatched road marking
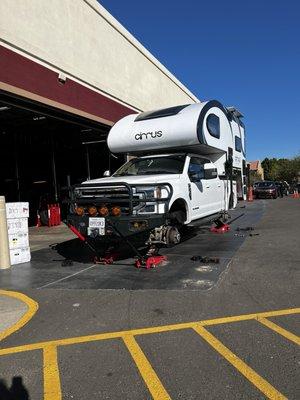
{"x":152,"y":381}
{"x":146,"y":331}
{"x":264,"y":386}
{"x":32,"y":308}
{"x":52,"y":389}
{"x":281,"y":331}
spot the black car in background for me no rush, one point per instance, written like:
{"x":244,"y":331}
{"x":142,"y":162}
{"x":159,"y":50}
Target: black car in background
{"x":266,"y":189}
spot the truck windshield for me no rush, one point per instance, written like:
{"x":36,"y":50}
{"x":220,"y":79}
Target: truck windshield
{"x":152,"y":166}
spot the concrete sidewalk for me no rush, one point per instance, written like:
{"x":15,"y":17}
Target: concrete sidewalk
{"x":11,"y":311}
{"x":41,"y":238}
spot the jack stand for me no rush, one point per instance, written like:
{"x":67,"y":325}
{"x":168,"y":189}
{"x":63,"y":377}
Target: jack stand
{"x":150,"y":262}
{"x":220,"y":227}
{"x":109,"y":258}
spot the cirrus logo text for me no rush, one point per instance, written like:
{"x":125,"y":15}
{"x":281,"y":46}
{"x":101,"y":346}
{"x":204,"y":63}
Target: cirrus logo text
{"x":148,"y":135}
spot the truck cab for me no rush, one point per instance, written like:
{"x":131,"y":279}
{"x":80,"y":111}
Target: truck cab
{"x":177,"y":174}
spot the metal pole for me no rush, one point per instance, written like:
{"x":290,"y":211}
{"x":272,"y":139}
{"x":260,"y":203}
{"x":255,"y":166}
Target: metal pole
{"x":17,"y":168}
{"x":4,"y":246}
{"x":88,"y":162}
{"x":54,"y":172}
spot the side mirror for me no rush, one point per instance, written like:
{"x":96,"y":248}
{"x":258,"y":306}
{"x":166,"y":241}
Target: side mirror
{"x":210,"y":173}
{"x":194,"y":177}
{"x":106,"y":173}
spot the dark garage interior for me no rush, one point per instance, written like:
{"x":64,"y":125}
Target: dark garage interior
{"x":43,"y":151}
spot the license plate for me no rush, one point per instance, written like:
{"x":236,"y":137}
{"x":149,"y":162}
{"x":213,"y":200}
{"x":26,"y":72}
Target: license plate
{"x":97,"y":223}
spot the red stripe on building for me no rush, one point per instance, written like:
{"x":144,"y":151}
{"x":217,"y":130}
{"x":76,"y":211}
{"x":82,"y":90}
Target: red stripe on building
{"x":23,"y":73}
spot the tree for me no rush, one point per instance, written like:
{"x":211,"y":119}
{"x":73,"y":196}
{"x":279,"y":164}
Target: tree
{"x":282,"y":169}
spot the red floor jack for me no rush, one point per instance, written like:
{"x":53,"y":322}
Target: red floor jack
{"x":221,"y":227}
{"x":148,"y":261}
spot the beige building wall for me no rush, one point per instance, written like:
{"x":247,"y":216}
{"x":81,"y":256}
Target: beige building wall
{"x":81,"y":39}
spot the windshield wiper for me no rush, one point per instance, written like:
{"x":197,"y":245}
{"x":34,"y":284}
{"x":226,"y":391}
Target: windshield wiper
{"x":125,"y":175}
{"x":151,"y":172}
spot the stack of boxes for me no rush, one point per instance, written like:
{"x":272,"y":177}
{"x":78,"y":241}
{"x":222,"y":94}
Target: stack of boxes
{"x":17,"y":224}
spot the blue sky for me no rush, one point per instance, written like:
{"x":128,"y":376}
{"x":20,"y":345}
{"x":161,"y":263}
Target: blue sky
{"x":245,"y":54}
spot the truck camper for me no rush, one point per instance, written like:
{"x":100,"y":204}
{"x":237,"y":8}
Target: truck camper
{"x":187,"y":163}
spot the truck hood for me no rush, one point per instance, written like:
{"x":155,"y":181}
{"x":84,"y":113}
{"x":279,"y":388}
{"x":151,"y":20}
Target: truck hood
{"x":139,"y":179}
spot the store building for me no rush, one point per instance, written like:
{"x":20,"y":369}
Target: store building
{"x":68,"y":71}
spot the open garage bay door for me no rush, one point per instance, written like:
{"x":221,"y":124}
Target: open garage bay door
{"x":43,"y":150}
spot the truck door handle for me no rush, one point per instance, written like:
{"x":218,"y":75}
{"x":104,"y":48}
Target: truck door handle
{"x":219,"y":185}
{"x":207,"y":186}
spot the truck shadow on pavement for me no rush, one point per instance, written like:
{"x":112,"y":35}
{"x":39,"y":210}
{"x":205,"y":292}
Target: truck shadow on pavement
{"x":78,"y":251}
{"x":17,"y":390}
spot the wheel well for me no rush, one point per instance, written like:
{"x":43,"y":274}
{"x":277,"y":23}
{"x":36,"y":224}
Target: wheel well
{"x":179,"y":205}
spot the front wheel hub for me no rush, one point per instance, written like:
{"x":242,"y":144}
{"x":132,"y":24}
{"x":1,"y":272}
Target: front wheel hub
{"x":172,"y":235}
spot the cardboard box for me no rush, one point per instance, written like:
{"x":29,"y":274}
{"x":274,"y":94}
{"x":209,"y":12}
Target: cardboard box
{"x":17,"y":225}
{"x":19,"y":256}
{"x":17,"y":210}
{"x":17,"y":240}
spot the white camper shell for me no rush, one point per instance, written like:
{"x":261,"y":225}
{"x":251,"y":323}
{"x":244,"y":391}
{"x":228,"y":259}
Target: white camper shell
{"x":189,"y":163}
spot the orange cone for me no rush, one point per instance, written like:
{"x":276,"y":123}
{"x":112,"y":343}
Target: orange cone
{"x":250,"y":194}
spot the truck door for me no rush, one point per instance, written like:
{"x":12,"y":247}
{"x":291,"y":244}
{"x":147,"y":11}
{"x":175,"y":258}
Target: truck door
{"x":215,"y":188}
{"x":199,"y":194}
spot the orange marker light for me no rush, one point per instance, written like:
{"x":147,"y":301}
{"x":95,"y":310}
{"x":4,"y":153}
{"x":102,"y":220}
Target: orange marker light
{"x":116,"y":211}
{"x":103,"y":211}
{"x":92,"y":210}
{"x":79,"y":211}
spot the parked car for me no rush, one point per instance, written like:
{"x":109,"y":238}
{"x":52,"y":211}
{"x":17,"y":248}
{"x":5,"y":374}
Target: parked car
{"x":266,"y":189}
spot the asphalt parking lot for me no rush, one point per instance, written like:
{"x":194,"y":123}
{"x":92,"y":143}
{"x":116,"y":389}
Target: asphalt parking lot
{"x":235,"y":339}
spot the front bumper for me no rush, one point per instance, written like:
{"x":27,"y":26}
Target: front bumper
{"x":126,"y":225}
{"x":265,"y":194}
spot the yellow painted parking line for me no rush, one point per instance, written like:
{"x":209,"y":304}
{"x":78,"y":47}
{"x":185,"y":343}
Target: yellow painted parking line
{"x":265,"y":387}
{"x":52,"y":386}
{"x":151,"y":380}
{"x":32,"y":309}
{"x":246,"y":317}
{"x":146,"y":331}
{"x":278,"y":329}
{"x":52,"y":389}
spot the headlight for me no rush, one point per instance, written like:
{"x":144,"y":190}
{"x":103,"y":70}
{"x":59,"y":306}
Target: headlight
{"x":157,"y":192}
{"x":151,"y":192}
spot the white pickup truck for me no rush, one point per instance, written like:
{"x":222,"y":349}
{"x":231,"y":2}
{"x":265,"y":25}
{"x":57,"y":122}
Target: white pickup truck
{"x":189,"y":164}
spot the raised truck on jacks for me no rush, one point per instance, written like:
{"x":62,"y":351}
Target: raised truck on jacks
{"x":186,"y":164}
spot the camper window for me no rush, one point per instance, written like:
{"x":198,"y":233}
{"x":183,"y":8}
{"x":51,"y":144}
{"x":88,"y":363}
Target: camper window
{"x":213,"y":125}
{"x":164,"y":112}
{"x":238,"y":144}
